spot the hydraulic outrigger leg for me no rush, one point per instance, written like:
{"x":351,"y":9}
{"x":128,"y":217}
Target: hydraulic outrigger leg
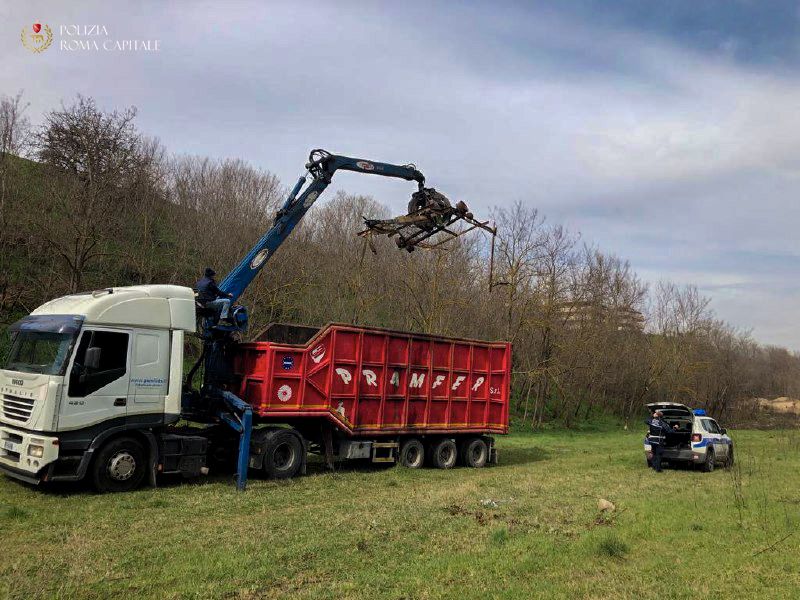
{"x":240,"y":419}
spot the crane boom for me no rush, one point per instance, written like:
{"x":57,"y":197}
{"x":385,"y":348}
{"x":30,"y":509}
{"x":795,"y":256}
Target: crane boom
{"x":321,"y":167}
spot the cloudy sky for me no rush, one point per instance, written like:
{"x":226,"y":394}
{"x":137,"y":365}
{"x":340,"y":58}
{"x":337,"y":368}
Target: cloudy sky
{"x":665,"y":132}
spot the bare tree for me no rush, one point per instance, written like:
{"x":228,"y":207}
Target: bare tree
{"x":14,"y":130}
{"x":14,"y":125}
{"x":519,"y":251}
{"x":92,"y":158}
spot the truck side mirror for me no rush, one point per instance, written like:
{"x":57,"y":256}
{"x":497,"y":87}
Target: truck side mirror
{"x":723,"y":431}
{"x":92,"y":359}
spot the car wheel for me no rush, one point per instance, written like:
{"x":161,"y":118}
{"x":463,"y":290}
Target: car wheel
{"x":708,"y":465}
{"x":283,"y":454}
{"x":412,"y":454}
{"x":119,"y":466}
{"x":443,"y":454}
{"x":729,"y":460}
{"x":474,"y":453}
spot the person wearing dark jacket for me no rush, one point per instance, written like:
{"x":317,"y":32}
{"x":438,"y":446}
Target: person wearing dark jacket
{"x":210,"y":296}
{"x":657,"y":437}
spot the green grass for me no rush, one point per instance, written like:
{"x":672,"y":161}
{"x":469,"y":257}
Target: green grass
{"x":529,"y":528}
{"x":612,"y":545}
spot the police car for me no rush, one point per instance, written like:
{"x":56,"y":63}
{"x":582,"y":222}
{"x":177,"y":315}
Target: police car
{"x":698,"y":440}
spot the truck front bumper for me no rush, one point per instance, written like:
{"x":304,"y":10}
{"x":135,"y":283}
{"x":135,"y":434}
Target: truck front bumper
{"x":25,"y":455}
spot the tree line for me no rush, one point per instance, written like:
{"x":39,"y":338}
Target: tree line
{"x":88,"y":201}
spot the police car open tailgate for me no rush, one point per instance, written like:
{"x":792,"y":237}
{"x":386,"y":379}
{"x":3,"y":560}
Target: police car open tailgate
{"x":671,"y":409}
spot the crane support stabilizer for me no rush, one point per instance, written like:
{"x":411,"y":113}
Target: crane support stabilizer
{"x":238,"y":415}
{"x":429,"y":213}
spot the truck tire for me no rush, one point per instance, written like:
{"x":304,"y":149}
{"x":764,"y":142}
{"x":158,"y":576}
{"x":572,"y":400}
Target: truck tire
{"x":443,"y":453}
{"x":708,"y":465}
{"x":474,"y":452}
{"x":119,"y":466}
{"x":283,"y":454}
{"x":412,"y":454}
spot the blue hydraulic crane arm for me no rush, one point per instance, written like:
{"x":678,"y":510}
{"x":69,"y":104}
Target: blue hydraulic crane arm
{"x":321,"y":167}
{"x":333,"y":163}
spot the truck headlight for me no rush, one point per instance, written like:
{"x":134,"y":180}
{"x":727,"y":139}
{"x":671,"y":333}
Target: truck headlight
{"x":35,"y":451}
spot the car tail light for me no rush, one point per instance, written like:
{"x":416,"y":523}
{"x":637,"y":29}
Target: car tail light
{"x":696,"y":437}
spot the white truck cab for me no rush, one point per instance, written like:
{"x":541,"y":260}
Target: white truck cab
{"x":697,"y":440}
{"x":87,"y":367}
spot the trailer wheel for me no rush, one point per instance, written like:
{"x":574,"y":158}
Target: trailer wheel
{"x":283,"y":454}
{"x":474,"y":453}
{"x":443,"y":453}
{"x":412,"y":454}
{"x":119,"y":466}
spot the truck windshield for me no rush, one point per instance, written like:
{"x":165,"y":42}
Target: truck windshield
{"x":42,"y":344}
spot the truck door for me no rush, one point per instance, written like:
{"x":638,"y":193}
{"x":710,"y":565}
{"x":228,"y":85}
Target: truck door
{"x":149,"y":372}
{"x":97,"y":386}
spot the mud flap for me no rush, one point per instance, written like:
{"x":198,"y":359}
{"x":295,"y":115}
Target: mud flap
{"x":493,"y":454}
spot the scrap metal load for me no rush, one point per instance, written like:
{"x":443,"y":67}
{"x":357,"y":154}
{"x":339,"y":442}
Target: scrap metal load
{"x":429,"y":213}
{"x":369,"y":382}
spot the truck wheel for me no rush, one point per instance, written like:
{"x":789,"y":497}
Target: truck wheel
{"x":474,"y":453}
{"x":412,"y":454}
{"x":708,"y":465}
{"x":119,"y":466}
{"x":283,"y":454}
{"x":443,"y":454}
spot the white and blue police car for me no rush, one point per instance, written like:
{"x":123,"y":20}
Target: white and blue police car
{"x":697,"y":440}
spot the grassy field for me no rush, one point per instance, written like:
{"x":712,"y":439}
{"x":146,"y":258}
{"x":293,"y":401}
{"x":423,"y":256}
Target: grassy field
{"x":527,"y":528}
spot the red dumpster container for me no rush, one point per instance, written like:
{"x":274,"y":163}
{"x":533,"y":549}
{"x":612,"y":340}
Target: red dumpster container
{"x":369,"y":381}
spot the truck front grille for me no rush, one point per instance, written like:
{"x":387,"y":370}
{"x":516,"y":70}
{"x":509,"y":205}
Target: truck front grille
{"x":16,"y":408}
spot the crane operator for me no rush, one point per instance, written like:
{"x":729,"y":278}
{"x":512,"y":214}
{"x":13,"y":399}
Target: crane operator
{"x":210,"y":296}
